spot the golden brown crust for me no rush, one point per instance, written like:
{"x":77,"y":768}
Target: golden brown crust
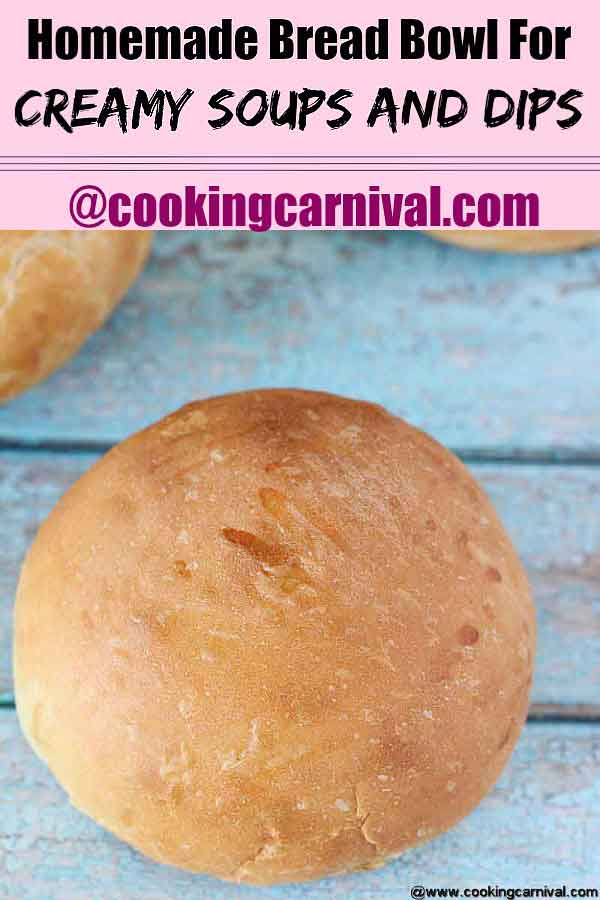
{"x":274,"y":636}
{"x":56,"y":288}
{"x":523,"y":241}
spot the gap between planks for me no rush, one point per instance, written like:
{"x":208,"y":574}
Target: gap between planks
{"x":547,"y":713}
{"x":556,"y":456}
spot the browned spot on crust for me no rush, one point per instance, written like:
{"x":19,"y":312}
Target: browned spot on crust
{"x":181,"y":569}
{"x":492,"y":574}
{"x":263,"y":553}
{"x":467,"y":635}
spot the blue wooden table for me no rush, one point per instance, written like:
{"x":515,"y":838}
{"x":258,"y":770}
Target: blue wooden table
{"x":497,"y":357}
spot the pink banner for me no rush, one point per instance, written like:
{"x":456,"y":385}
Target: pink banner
{"x":325,"y":116}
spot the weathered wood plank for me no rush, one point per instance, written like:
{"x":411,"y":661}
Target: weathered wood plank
{"x":541,"y":825}
{"x":552,"y":513}
{"x":482,"y":351}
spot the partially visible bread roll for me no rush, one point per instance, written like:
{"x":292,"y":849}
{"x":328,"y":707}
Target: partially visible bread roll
{"x":275,"y":636}
{"x":523,"y":241}
{"x":56,"y":288}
